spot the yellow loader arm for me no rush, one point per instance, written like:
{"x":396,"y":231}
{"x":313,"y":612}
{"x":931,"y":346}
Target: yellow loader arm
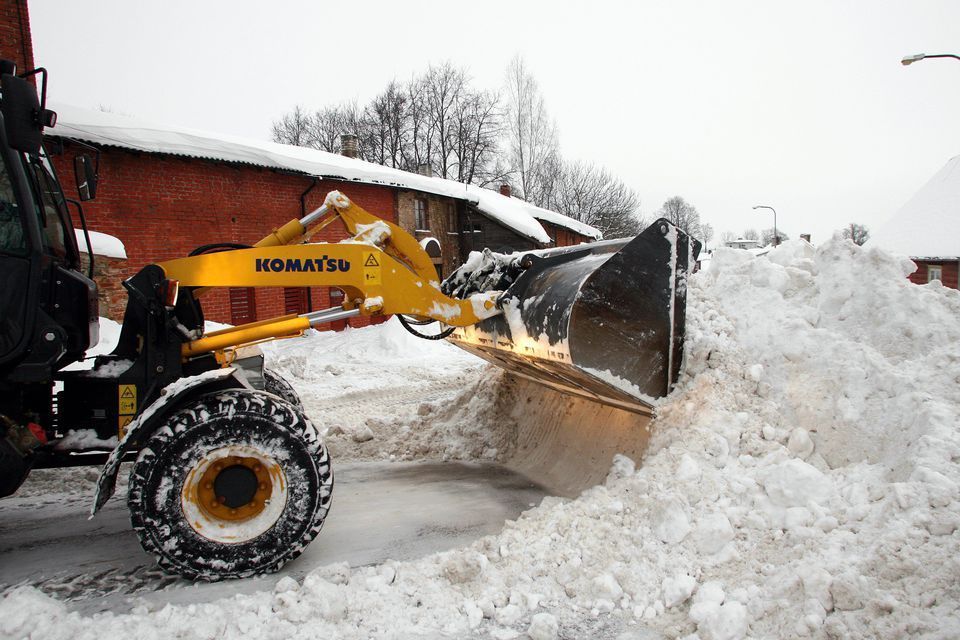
{"x":381,"y":269}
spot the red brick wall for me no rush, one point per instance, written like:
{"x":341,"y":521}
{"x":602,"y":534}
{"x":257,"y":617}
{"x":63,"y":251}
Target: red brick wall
{"x":562,"y":236}
{"x":948,"y":267}
{"x":15,"y":41}
{"x":162,"y":207}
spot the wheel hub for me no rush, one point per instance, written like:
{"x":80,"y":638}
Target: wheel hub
{"x":233,"y":493}
{"x":234,"y":488}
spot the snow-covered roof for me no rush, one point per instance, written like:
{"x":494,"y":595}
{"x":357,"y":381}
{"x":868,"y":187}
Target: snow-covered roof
{"x":545,"y":215}
{"x":742,"y":241}
{"x":928,"y":225}
{"x":103,"y":244}
{"x":131,"y":133}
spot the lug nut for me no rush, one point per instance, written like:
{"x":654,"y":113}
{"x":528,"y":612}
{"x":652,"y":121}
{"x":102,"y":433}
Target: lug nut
{"x":257,"y":468}
{"x":214,"y":504}
{"x":208,"y":486}
{"x":233,"y":512}
{"x":263,"y":486}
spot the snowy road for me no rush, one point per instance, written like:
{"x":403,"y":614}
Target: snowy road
{"x":381,"y":511}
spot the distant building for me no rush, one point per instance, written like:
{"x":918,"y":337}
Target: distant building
{"x":742,"y":243}
{"x":927,"y":228}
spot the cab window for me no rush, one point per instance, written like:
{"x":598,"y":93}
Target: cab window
{"x":51,"y":205}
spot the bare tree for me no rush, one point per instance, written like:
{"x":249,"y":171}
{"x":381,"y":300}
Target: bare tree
{"x":326,"y":125}
{"x":766,"y":238}
{"x":683,"y":214}
{"x":727,"y":237}
{"x":706,"y":234}
{"x":531,"y":135}
{"x":476,"y":128}
{"x":751,"y":234}
{"x":590,"y":194}
{"x":859,"y":233}
{"x":383,"y":127}
{"x":437,"y":119}
{"x":444,"y":89}
{"x":293,"y":128}
{"x":419,"y":148}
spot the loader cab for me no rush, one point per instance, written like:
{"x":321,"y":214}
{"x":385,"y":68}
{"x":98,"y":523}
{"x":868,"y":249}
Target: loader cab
{"x":48,"y":312}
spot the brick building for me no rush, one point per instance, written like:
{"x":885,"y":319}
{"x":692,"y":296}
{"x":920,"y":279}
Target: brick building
{"x":15,"y":41}
{"x":164,"y":191}
{"x":927,"y":229}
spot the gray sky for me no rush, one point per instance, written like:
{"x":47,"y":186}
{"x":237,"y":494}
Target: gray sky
{"x":800,"y":105}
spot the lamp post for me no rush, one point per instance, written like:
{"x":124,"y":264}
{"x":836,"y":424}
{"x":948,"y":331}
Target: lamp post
{"x":922,"y":56}
{"x":776,"y":236}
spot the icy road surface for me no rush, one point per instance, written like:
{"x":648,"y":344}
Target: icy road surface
{"x":381,"y":511}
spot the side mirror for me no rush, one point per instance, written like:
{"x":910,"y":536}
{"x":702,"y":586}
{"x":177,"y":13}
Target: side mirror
{"x":21,"y":108}
{"x":86,"y":176}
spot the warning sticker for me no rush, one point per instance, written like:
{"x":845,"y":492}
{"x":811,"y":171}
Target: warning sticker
{"x":128,"y":399}
{"x":126,"y":405}
{"x":371,"y":268}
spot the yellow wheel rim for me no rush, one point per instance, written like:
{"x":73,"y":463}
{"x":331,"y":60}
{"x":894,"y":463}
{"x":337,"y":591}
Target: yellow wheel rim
{"x":215,"y":505}
{"x":225,"y":516}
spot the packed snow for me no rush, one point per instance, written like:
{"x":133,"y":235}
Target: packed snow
{"x":801,"y":481}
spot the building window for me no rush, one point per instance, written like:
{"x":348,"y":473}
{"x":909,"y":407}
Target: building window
{"x":243,"y":305}
{"x":934,"y":272}
{"x":420,"y":220}
{"x":451,"y":219}
{"x":295,"y":300}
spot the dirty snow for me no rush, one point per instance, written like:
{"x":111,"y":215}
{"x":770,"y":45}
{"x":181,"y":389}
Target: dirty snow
{"x":802,"y":481}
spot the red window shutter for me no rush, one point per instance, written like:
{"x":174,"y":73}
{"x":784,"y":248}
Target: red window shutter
{"x":243,"y":305}
{"x":295,"y":299}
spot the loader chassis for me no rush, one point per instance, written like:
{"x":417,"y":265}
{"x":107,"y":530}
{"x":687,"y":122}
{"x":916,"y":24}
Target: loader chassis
{"x":229,"y":477}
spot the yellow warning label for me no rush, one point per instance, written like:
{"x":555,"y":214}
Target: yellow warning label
{"x":122,"y":426}
{"x":127,"y":400}
{"x":371,"y":269}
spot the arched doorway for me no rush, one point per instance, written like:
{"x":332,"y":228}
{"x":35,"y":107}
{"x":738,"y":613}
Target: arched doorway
{"x":432,"y":247}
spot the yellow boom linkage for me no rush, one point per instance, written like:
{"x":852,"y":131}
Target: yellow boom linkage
{"x":381,"y":269}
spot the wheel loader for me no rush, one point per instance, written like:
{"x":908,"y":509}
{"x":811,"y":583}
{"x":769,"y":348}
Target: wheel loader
{"x":229,"y":478}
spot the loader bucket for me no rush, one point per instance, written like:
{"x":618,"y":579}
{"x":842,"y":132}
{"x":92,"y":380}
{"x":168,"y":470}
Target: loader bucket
{"x":604,"y":321}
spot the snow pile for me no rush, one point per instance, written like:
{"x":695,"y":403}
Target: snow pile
{"x":103,"y":244}
{"x":801,"y":482}
{"x":431,"y":393}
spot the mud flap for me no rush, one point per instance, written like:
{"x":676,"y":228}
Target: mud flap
{"x":147,"y":421}
{"x":603,"y":320}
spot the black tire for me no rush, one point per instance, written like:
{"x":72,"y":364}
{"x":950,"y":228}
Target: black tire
{"x":277,"y":385}
{"x":235,"y":422}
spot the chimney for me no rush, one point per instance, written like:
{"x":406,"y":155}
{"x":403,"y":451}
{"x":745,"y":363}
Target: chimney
{"x":425,"y":169}
{"x":505,"y":190}
{"x":348,"y":145}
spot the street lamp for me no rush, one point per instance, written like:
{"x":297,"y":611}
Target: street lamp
{"x":776,"y":237}
{"x":920,"y":56}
